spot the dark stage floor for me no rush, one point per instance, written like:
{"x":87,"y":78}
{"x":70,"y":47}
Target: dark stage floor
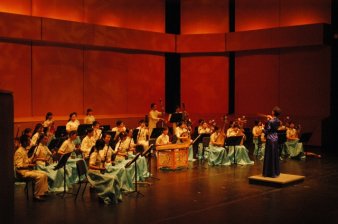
{"x":204,"y":194}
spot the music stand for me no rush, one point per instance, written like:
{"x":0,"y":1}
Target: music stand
{"x":147,"y":154}
{"x":156,"y":132}
{"x":234,"y":141}
{"x":176,"y":117}
{"x":82,"y":129}
{"x":305,"y":138}
{"x":105,"y":127}
{"x":135,"y":165}
{"x":60,"y":132}
{"x":62,"y":164}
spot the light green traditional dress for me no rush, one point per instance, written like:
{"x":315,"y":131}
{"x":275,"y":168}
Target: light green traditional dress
{"x":217,"y":155}
{"x":293,"y":147}
{"x":240,"y":152}
{"x":256,"y":132}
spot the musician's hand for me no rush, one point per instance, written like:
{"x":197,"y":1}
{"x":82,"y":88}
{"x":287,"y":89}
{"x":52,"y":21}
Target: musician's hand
{"x":269,"y":117}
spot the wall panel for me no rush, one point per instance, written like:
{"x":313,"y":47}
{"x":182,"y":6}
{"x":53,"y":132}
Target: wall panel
{"x":298,"y":12}
{"x":253,"y":15}
{"x":204,"y":84}
{"x":257,"y":82}
{"x":134,"y":14}
{"x":201,"y":16}
{"x":57,"y":80}
{"x":15,"y":73}
{"x":16,"y":6}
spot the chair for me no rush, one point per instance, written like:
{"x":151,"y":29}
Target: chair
{"x":81,"y":170}
{"x":27,"y":181}
{"x":205,"y":143}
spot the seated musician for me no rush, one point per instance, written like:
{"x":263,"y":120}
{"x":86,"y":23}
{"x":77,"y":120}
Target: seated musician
{"x":143,"y":134}
{"x":68,"y":145}
{"x":42,"y":154}
{"x":241,"y":157}
{"x":282,"y":126}
{"x":256,"y":133}
{"x":217,"y":154}
{"x":97,"y":130}
{"x":87,"y":143}
{"x":38,"y":130}
{"x":89,"y":119}
{"x":183,"y":137}
{"x":153,"y":117}
{"x":124,"y":147}
{"x":106,"y":153}
{"x":163,"y":139}
{"x":293,"y":147}
{"x":119,"y":128}
{"x":73,"y":123}
{"x":106,"y":185}
{"x":203,"y":128}
{"x":24,"y":168}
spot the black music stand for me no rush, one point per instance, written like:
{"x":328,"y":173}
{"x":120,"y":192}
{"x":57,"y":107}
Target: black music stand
{"x":176,"y":117}
{"x":128,"y":165}
{"x":281,"y":140}
{"x":147,"y":154}
{"x":105,"y":127}
{"x":62,"y":164}
{"x":156,"y":132}
{"x":61,"y":132}
{"x":234,"y":141}
{"x":82,"y":129}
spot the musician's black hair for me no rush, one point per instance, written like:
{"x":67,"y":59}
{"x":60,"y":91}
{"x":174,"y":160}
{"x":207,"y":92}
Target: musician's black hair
{"x":276,"y":111}
{"x":41,"y":136}
{"x":89,"y":130}
{"x":152,"y":105}
{"x":37,"y":127}
{"x":24,"y":141}
{"x":118,"y":122}
{"x":48,"y":114}
{"x":26,"y":131}
{"x":72,"y":133}
{"x":89,"y":110}
{"x":71,"y":114}
{"x":99,"y":144}
{"x":95,"y":123}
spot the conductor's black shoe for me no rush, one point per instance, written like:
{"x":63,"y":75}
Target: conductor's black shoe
{"x":38,"y":198}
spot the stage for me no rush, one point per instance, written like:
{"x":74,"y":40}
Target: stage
{"x":204,"y":194}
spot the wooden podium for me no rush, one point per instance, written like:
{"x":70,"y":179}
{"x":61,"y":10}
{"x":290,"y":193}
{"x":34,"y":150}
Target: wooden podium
{"x":172,"y":156}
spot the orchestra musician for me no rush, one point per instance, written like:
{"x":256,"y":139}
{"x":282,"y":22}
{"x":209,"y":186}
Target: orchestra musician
{"x":38,"y":130}
{"x":294,"y":148}
{"x":217,"y":154}
{"x":49,"y":126}
{"x":87,"y":143}
{"x":163,"y":139}
{"x":241,"y":157}
{"x":183,"y":137}
{"x":42,"y":154}
{"x":97,"y":130}
{"x":143,"y":134}
{"x":124,"y":146}
{"x":73,"y":123}
{"x":203,"y":128}
{"x":257,"y":131}
{"x":153,"y":117}
{"x":106,"y":153}
{"x":23,"y":168}
{"x":68,"y":145}
{"x":89,"y":119}
{"x":119,"y":128}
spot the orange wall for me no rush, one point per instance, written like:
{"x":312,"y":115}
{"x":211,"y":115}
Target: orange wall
{"x":201,"y":16}
{"x":134,"y":14}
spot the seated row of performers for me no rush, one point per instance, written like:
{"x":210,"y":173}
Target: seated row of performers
{"x":291,"y":148}
{"x":97,"y":150}
{"x":216,"y":151}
